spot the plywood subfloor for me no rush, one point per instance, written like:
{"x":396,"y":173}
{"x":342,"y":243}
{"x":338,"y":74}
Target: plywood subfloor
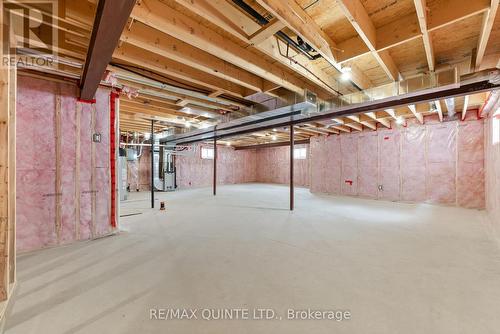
{"x":398,"y":268}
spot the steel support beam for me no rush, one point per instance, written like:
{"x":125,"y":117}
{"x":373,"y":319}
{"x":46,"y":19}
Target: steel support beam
{"x":110,"y":20}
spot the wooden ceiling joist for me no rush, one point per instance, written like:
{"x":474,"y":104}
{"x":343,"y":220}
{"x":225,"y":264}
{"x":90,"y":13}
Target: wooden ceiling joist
{"x":484,"y":36}
{"x":421,"y":8}
{"x":439,"y":110}
{"x":171,"y":22}
{"x":466,"y":105}
{"x":272,"y":47}
{"x":169,"y":47}
{"x":295,"y":18}
{"x":266,"y":31}
{"x":360,"y":20}
{"x":440,"y":14}
{"x":162,"y":65}
{"x":415,"y":113}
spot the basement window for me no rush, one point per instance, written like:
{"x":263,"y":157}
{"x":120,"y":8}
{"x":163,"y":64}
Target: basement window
{"x":300,"y":153}
{"x":207,"y":153}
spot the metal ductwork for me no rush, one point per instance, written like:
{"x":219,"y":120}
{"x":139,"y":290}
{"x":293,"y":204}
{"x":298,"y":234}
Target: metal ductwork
{"x":308,"y":104}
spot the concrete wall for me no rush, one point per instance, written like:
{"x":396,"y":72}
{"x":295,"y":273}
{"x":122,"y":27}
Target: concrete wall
{"x":38,"y":197}
{"x":437,"y":163}
{"x":492,"y":166}
{"x":274,"y":166}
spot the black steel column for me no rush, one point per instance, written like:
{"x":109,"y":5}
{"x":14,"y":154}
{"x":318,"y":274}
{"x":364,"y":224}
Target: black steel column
{"x":215,"y":165}
{"x":152,"y":165}
{"x":291,"y":168}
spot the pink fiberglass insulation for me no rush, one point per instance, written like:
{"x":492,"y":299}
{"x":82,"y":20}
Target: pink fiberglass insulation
{"x":389,"y":161}
{"x":436,"y":162}
{"x":333,"y":172}
{"x":37,"y":196}
{"x":349,"y":164}
{"x":68,"y":162}
{"x":470,"y":171}
{"x":368,"y":164}
{"x":441,"y":163}
{"x":492,"y":167}
{"x":232,"y":167}
{"x":318,"y":147}
{"x":85,"y":231}
{"x":35,"y":164}
{"x":273,"y":166}
{"x":413,"y":164}
{"x":102,"y":162}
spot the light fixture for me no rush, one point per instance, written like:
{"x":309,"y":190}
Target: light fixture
{"x":228,"y":143}
{"x":147,"y":135}
{"x":273,"y":137}
{"x":187,"y":110}
{"x":275,"y":130}
{"x":346,"y":73}
{"x":345,"y":76}
{"x":400,"y":120}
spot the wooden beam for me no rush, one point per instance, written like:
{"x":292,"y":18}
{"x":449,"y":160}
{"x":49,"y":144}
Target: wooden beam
{"x":340,"y":127}
{"x":417,"y":115}
{"x":440,"y":14}
{"x":159,"y":64}
{"x":266,"y":31}
{"x":5,"y":168}
{"x":421,"y":8}
{"x":110,"y":20}
{"x":486,"y":27}
{"x":174,"y":23}
{"x":437,"y":103}
{"x":466,"y":104}
{"x":169,"y":47}
{"x":360,"y":20}
{"x":291,"y":14}
{"x":382,"y":121}
{"x":11,"y":258}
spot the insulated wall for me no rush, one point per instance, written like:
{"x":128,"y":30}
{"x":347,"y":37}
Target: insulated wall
{"x":492,"y":164}
{"x":232,"y":167}
{"x":273,"y":166}
{"x":63,"y":177}
{"x":435,"y":162}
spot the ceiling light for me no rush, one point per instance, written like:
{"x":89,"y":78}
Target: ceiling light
{"x":147,"y":135}
{"x":273,"y":137}
{"x":400,"y":120}
{"x":345,"y":76}
{"x":228,"y":143}
{"x":275,"y":130}
{"x":187,"y":125}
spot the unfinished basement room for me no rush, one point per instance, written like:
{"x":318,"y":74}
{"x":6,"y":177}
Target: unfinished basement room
{"x":250,"y":166}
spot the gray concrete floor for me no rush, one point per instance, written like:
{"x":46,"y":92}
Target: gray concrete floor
{"x":398,"y":268}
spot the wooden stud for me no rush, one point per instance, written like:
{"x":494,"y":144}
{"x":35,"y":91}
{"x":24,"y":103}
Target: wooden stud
{"x":78,"y":193}
{"x":11,"y":258}
{"x":93,"y":187}
{"x":58,"y":183}
{"x":466,"y":104}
